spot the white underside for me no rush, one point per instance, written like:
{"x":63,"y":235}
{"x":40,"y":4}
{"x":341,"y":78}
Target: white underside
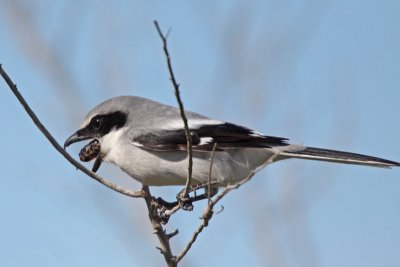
{"x":171,"y":168}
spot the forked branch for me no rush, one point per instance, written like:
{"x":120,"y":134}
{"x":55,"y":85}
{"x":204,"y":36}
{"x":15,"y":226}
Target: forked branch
{"x":163,"y":237}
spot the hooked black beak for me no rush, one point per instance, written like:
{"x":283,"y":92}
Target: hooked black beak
{"x":81,"y":136}
{"x":76,"y":137}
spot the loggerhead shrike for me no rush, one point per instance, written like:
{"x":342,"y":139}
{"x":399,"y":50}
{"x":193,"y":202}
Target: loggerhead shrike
{"x":146,"y":139}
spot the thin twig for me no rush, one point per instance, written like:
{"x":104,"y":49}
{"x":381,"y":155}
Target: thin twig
{"x":191,"y":241}
{"x":208,"y":211}
{"x":163,"y":237}
{"x":173,"y":210}
{"x":59,"y":148}
{"x":207,"y":215}
{"x":210,"y":172}
{"x":182,"y":110}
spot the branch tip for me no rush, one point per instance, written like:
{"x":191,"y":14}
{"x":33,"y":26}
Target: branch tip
{"x":57,"y":146}
{"x":168,"y":32}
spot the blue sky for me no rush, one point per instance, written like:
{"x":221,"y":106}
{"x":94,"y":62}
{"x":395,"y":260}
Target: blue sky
{"x":322,"y":73}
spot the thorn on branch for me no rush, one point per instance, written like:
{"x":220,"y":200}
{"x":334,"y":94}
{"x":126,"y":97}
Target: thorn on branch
{"x":172,"y":234}
{"x":161,"y":250}
{"x":220,"y":210}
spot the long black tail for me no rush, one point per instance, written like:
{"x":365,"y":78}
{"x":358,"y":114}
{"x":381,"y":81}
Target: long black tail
{"x":340,"y":157}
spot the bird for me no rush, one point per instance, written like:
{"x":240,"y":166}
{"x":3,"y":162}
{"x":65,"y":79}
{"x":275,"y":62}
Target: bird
{"x":146,"y":139}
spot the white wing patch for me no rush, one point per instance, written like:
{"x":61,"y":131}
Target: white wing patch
{"x":193,"y":124}
{"x":137,"y":144}
{"x":256,"y":134}
{"x":205,"y":140}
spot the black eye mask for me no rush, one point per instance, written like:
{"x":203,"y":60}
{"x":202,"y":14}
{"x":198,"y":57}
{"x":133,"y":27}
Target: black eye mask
{"x":102,"y":124}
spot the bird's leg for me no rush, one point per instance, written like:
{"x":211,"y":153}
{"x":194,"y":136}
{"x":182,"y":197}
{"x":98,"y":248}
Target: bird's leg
{"x":166,"y":204}
{"x":205,"y":195}
{"x":161,"y":208}
{"x":186,"y":203}
{"x":164,"y":209}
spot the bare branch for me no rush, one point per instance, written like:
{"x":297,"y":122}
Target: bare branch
{"x":163,"y":237}
{"x":182,"y":110}
{"x":59,"y":148}
{"x":209,"y":209}
{"x":191,"y":241}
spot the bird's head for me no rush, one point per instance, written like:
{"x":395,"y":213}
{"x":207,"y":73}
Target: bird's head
{"x":103,"y":120}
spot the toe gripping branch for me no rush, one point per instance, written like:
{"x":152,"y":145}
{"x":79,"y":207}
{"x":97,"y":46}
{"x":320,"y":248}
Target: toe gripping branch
{"x":164,"y":209}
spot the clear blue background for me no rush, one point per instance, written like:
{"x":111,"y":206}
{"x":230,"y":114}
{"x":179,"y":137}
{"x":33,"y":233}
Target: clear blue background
{"x":322,"y":73}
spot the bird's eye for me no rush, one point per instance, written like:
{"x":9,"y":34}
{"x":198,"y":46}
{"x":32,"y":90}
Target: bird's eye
{"x":97,"y":123}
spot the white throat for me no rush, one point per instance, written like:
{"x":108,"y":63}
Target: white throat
{"x":111,"y":144}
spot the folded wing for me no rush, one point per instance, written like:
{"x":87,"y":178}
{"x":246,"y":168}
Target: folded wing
{"x":226,"y":135}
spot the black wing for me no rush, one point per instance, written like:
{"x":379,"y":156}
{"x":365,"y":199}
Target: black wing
{"x":227,"y":136}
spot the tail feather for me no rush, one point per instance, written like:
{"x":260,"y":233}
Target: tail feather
{"x":340,"y":157}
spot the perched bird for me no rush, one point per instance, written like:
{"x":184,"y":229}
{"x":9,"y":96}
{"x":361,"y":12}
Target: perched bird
{"x":147,"y":140}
